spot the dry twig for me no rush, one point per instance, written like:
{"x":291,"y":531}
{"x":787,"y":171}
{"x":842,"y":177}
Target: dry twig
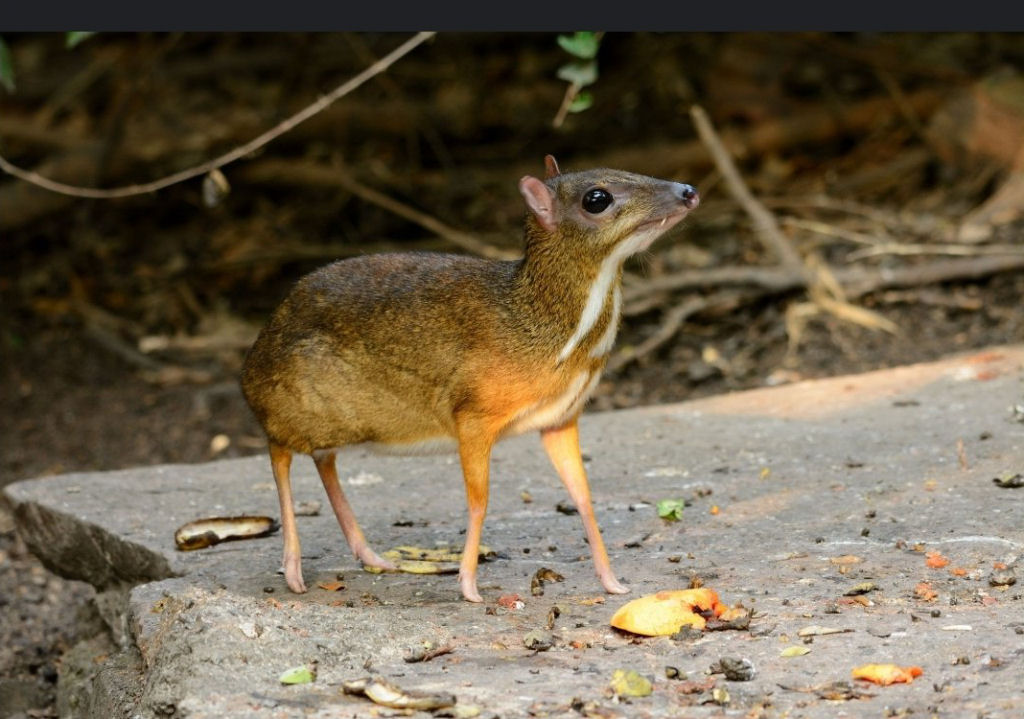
{"x":304,"y":173}
{"x":764,"y":221}
{"x":140,"y":189}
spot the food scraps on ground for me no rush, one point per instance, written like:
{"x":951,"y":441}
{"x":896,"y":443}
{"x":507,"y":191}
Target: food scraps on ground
{"x":419,"y":560}
{"x":886,"y":674}
{"x":671,"y":509}
{"x":511,"y":601}
{"x":206,"y":532}
{"x":543,"y":575}
{"x":862,"y":588}
{"x":302,"y":674}
{"x":538,"y":640}
{"x":427,"y":651}
{"x":735,"y":669}
{"x":666,"y":612}
{"x":815,"y":630}
{"x":794,"y":651}
{"x":935,"y":559}
{"x":387,"y":694}
{"x":1009,"y":481}
{"x":628,"y":683}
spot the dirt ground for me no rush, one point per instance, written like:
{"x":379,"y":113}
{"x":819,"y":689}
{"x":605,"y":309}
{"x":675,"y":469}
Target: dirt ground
{"x":83,"y":281}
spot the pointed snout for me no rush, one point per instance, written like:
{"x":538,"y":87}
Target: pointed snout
{"x":687,"y":194}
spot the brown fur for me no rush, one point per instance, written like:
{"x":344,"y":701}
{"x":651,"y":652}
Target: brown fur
{"x":403,"y":348}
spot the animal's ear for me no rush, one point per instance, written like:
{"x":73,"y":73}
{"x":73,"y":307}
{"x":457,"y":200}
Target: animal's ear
{"x":551,"y":167}
{"x":540,"y":201}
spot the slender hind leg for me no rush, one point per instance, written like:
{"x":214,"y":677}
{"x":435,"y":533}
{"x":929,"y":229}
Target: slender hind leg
{"x":475,"y":453}
{"x":563,"y":448}
{"x":346,"y":517}
{"x":280,"y":463}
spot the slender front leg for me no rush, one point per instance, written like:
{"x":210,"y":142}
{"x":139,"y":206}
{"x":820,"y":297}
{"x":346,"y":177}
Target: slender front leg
{"x":280,"y":463}
{"x":563,"y":447}
{"x":343,"y":511}
{"x":475,"y":453}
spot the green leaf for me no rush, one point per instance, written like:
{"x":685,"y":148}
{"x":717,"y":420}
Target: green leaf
{"x":302,"y":674}
{"x":671,"y":509}
{"x":579,"y":73}
{"x":581,"y":44}
{"x":581,"y":102}
{"x":72,"y":39}
{"x":6,"y":67}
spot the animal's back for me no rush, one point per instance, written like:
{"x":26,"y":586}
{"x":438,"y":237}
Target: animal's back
{"x":372,"y":349}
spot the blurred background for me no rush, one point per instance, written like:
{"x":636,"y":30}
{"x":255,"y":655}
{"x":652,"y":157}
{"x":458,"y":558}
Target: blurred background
{"x":891,"y":164}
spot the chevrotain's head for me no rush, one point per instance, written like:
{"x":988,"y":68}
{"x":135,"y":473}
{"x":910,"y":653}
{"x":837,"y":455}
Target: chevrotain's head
{"x":610,"y":210}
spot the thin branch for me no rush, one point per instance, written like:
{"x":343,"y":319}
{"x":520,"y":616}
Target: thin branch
{"x":673,"y":321}
{"x":128,"y":190}
{"x":764,"y":221}
{"x":898,"y":248}
{"x":855,"y":281}
{"x":286,"y":171}
{"x":823,"y":228}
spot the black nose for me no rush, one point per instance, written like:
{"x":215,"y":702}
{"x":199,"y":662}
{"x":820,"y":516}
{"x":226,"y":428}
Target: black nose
{"x":688,"y":194}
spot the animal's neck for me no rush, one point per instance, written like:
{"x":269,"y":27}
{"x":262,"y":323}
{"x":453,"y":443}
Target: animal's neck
{"x":573,"y":293}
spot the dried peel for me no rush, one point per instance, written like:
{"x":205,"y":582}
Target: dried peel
{"x":666,"y":612}
{"x":886,"y":674}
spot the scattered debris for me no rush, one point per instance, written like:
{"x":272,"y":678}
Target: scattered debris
{"x":302,"y":674}
{"x":935,"y":559}
{"x":419,"y":560}
{"x":845,"y":559}
{"x":794,"y":651}
{"x":671,"y":509}
{"x":511,"y":601}
{"x":924,"y":591}
{"x":206,"y":532}
{"x":310,"y":508}
{"x":553,"y":614}
{"x":688,"y":686}
{"x":817,"y":631}
{"x":459,"y":711}
{"x":427,"y":651}
{"x":543,"y":575}
{"x":331,"y":586}
{"x":838,"y":691}
{"x":538,"y":640}
{"x":664,"y":613}
{"x":886,"y":674}
{"x":1002,"y":576}
{"x":565,"y":508}
{"x":862,"y":588}
{"x":628,"y":683}
{"x":250,"y":629}
{"x":387,"y":694}
{"x":1009,"y":481}
{"x":735,"y":669}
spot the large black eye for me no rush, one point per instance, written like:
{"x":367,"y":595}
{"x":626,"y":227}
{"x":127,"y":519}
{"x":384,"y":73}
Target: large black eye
{"x":596,"y":201}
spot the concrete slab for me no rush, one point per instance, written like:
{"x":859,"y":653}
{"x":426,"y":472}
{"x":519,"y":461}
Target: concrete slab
{"x":882,"y":466}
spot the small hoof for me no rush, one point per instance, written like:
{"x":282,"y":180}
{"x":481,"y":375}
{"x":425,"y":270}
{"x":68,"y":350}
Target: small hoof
{"x":293,"y":575}
{"x":370,"y":558}
{"x":612,"y":586}
{"x":469,"y":590}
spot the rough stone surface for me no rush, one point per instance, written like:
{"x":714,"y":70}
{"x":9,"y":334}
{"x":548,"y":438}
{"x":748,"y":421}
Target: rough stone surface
{"x":883,"y":466}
